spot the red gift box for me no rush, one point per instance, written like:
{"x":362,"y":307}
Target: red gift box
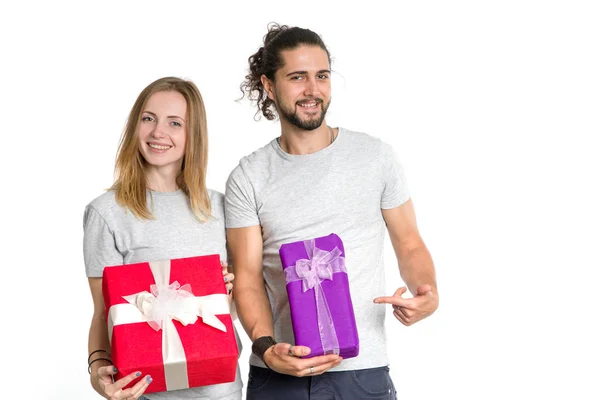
{"x":171,"y":320}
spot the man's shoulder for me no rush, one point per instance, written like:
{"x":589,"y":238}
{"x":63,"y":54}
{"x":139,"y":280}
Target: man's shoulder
{"x":258,"y":156}
{"x":362,"y":141}
{"x":254,"y":161}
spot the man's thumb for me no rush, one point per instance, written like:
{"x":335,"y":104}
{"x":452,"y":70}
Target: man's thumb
{"x":423,"y":289}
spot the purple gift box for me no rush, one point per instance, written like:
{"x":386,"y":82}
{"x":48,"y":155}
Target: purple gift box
{"x":319,"y":296}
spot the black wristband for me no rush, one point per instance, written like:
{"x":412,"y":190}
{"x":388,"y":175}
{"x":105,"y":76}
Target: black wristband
{"x":261,"y":345}
{"x":97,"y":351}
{"x":97,"y":359}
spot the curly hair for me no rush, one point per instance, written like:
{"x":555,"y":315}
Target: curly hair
{"x":267,"y":60}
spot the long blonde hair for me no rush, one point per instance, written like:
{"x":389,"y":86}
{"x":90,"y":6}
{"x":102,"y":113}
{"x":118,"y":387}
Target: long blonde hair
{"x":130,"y":177}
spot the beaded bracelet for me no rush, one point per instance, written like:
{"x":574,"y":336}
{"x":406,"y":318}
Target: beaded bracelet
{"x":96,"y":351}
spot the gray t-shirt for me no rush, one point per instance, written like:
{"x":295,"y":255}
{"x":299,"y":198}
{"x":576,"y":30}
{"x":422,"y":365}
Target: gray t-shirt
{"x":114,"y":236}
{"x":340,"y":189}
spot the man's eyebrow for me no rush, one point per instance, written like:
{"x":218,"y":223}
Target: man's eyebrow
{"x":297,"y":73}
{"x":323,"y":71}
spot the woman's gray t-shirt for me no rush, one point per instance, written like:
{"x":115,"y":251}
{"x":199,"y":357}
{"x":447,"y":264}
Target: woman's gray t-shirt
{"x":114,"y":236}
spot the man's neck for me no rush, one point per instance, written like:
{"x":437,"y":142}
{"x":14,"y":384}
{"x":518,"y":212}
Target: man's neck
{"x":298,"y":141}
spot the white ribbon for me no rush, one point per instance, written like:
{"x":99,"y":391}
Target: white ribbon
{"x":158,"y":308}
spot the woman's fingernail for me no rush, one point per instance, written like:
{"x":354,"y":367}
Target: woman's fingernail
{"x":149,"y":378}
{"x":225,"y":279}
{"x":114,"y":369}
{"x":138,"y":373}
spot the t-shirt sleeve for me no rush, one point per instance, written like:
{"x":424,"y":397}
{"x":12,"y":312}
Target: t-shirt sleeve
{"x":395,"y":191}
{"x":99,"y":248}
{"x":240,"y":202}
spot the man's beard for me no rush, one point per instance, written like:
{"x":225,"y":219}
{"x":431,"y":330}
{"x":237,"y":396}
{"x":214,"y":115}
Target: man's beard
{"x":291,"y":115}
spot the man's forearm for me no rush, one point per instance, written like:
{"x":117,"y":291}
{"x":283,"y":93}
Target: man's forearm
{"x":254,"y":310}
{"x":416,"y":269}
{"x":252,"y":303}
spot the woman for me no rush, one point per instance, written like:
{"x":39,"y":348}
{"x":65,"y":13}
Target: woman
{"x":158,"y":208}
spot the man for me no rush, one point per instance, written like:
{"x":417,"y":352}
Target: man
{"x":311,"y":181}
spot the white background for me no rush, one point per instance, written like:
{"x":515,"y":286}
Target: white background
{"x":492,"y":107}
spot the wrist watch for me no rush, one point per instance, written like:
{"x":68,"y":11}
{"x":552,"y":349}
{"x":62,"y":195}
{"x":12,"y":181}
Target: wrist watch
{"x":261,"y":345}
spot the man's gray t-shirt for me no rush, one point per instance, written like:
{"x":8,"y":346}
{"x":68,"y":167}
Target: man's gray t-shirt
{"x":114,"y":236}
{"x":340,"y":189}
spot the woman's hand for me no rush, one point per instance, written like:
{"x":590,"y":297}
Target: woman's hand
{"x":228,"y":277}
{"x":102,"y":380}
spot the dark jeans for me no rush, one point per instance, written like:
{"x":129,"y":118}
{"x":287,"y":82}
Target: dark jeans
{"x":361,"y":384}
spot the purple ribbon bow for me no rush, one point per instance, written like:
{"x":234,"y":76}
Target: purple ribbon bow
{"x":319,"y":266}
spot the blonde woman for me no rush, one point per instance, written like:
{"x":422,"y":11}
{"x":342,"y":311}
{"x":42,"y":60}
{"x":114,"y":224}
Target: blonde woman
{"x":158,"y":208}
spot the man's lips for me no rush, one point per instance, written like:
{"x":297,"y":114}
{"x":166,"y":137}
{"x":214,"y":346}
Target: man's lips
{"x":309,"y":103}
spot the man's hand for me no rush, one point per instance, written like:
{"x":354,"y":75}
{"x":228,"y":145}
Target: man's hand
{"x":283,"y":358}
{"x":411,"y":310}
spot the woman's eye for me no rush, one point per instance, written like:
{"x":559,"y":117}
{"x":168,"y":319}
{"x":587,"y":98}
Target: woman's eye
{"x":175,"y":123}
{"x":147,"y":119}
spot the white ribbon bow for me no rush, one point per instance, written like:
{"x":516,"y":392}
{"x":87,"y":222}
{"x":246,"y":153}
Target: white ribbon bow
{"x":173,"y":302}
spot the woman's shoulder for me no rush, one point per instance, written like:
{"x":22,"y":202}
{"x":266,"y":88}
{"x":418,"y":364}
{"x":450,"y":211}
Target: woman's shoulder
{"x":101,"y":210}
{"x":215,"y":195}
{"x":104,"y":203}
{"x":217,"y":203}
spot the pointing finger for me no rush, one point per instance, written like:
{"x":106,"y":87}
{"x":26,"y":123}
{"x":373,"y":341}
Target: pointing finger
{"x":397,"y":301}
{"x":391,"y":299}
